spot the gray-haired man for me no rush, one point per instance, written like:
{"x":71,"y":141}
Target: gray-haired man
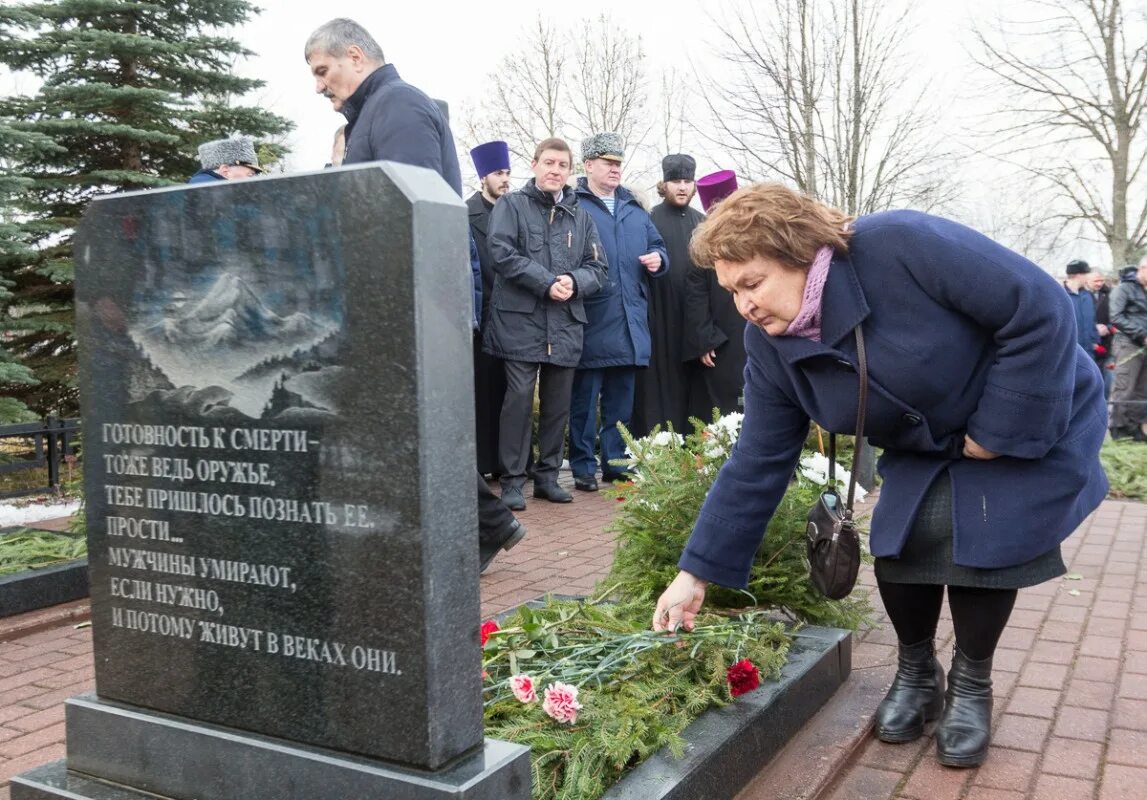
{"x":387,"y":118}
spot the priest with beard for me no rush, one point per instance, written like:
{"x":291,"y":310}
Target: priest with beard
{"x":714,"y":329}
{"x":671,"y":389}
{"x":492,"y":163}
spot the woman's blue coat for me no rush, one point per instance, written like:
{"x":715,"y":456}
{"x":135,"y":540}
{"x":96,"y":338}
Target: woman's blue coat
{"x":963,"y":336}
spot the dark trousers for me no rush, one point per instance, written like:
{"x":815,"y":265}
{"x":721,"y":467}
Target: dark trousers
{"x":493,"y":517}
{"x":489,"y":391}
{"x":1130,"y":388}
{"x":517,"y":415}
{"x":614,"y":385}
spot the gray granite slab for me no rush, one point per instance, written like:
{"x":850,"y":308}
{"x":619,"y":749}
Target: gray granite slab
{"x":279,"y":464}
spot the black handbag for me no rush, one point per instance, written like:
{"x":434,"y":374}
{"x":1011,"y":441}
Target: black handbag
{"x":832,"y":538}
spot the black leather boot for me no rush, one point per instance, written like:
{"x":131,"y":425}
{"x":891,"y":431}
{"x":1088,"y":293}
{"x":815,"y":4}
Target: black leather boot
{"x":916,"y":696}
{"x":965,"y":729}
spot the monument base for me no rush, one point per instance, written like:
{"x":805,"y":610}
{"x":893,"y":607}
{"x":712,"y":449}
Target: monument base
{"x":121,"y":752}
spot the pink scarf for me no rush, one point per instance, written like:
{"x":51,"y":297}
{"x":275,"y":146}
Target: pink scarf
{"x":807,"y":321}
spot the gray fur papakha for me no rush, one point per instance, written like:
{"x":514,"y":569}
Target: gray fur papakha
{"x":603,"y":145}
{"x":236,"y":150}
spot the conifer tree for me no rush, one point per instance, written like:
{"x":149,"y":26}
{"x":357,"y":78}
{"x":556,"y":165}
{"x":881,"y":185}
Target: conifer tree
{"x":129,"y":90}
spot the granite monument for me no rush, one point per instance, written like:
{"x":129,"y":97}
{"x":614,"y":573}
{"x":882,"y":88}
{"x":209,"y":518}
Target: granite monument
{"x":280,"y":496}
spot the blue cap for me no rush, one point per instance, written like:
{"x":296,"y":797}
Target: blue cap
{"x":490,"y":157}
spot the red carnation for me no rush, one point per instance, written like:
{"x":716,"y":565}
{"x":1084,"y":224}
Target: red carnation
{"x":1100,"y":350}
{"x":743,"y":677}
{"x":488,"y":627}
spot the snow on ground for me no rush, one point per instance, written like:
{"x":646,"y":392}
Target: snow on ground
{"x":11,"y":514}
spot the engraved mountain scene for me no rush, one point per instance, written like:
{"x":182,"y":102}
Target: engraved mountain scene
{"x":269,"y":364}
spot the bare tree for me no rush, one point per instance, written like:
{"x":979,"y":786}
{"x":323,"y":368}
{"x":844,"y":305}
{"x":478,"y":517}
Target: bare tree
{"x":608,"y":86}
{"x":815,"y":99}
{"x":527,"y":96}
{"x":1079,"y":90}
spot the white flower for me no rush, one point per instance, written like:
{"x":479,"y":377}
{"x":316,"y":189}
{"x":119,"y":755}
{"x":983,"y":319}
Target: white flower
{"x":730,"y":425}
{"x":666,"y":439}
{"x":814,"y":466}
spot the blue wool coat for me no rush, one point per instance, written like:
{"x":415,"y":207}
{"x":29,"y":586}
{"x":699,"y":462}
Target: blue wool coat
{"x":962,"y":336}
{"x":617,"y":334}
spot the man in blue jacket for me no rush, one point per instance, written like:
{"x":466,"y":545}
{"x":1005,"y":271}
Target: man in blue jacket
{"x":1083,"y":302}
{"x":227,"y":160}
{"x":617,"y":338}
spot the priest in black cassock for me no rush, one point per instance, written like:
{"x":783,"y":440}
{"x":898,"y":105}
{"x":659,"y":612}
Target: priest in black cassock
{"x":714,"y":330}
{"x":492,"y":162}
{"x":671,"y":388}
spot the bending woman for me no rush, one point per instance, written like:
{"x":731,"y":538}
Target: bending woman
{"x":989,"y":413}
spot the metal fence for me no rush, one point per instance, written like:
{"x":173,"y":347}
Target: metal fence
{"x":32,"y":445}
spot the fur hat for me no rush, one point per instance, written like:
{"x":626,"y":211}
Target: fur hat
{"x":603,"y":145}
{"x":1078,"y":267}
{"x":236,"y":151}
{"x":678,"y":167}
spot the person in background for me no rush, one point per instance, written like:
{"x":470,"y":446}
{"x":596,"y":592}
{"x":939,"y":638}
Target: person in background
{"x":989,"y":414}
{"x":617,"y":332}
{"x":670,"y":390}
{"x":714,"y":330}
{"x":1097,"y":285}
{"x":492,"y":162}
{"x":1128,"y":304}
{"x":548,"y":260}
{"x":227,"y":160}
{"x":1083,"y":303}
{"x":390,"y":120}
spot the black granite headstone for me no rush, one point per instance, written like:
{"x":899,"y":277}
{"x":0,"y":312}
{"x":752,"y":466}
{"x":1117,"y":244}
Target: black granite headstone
{"x":279,"y":484}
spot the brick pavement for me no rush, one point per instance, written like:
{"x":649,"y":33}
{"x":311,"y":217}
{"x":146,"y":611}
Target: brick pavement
{"x":1071,"y":678}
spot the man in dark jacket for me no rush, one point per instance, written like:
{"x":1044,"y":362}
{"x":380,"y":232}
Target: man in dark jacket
{"x":1083,"y":303}
{"x":617,"y":332}
{"x":670,"y":391}
{"x":1097,"y":285}
{"x":547,"y":259}
{"x":492,"y":162}
{"x":390,"y":120}
{"x":387,"y":118}
{"x":1128,"y":304}
{"x":227,"y":160}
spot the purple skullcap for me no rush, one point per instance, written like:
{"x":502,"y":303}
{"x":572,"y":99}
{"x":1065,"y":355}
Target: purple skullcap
{"x":490,"y":157}
{"x":716,"y":186}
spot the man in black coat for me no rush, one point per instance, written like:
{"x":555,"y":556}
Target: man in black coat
{"x":492,"y":162}
{"x":1128,"y":304}
{"x":672,"y":388}
{"x":390,"y":120}
{"x":547,"y":259}
{"x":714,"y":329}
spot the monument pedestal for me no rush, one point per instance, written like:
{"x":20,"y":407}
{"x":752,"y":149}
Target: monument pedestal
{"x":120,"y":752}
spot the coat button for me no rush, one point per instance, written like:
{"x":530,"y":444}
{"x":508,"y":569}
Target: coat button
{"x":844,"y":362}
{"x":912,"y":419}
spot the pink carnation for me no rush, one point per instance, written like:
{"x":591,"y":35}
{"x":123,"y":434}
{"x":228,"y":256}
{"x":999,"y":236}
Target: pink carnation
{"x":561,"y":702}
{"x":523,"y":688}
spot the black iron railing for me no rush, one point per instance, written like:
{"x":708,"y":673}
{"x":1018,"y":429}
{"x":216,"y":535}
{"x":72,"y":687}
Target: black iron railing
{"x":34,"y":445}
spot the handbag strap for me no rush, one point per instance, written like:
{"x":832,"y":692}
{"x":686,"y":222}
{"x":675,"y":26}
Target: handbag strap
{"x":861,"y":407}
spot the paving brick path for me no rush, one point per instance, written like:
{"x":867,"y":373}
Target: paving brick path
{"x":1071,"y":678}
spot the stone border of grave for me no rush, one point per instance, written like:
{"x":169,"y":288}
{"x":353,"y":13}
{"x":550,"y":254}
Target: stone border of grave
{"x":34,"y":589}
{"x":727,"y":747}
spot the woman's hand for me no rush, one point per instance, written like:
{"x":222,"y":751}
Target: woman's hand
{"x":679,"y":603}
{"x":976,"y":451}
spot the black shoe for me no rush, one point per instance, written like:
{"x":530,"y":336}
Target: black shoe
{"x":585,"y":483}
{"x":1123,"y":432}
{"x":613,"y":477}
{"x":1139,"y":436}
{"x":916,"y":696}
{"x":513,"y":498}
{"x":552,"y":492}
{"x":965,"y":730}
{"x":486,"y":551}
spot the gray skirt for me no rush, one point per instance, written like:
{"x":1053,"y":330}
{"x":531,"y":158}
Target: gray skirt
{"x":927,"y":554}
